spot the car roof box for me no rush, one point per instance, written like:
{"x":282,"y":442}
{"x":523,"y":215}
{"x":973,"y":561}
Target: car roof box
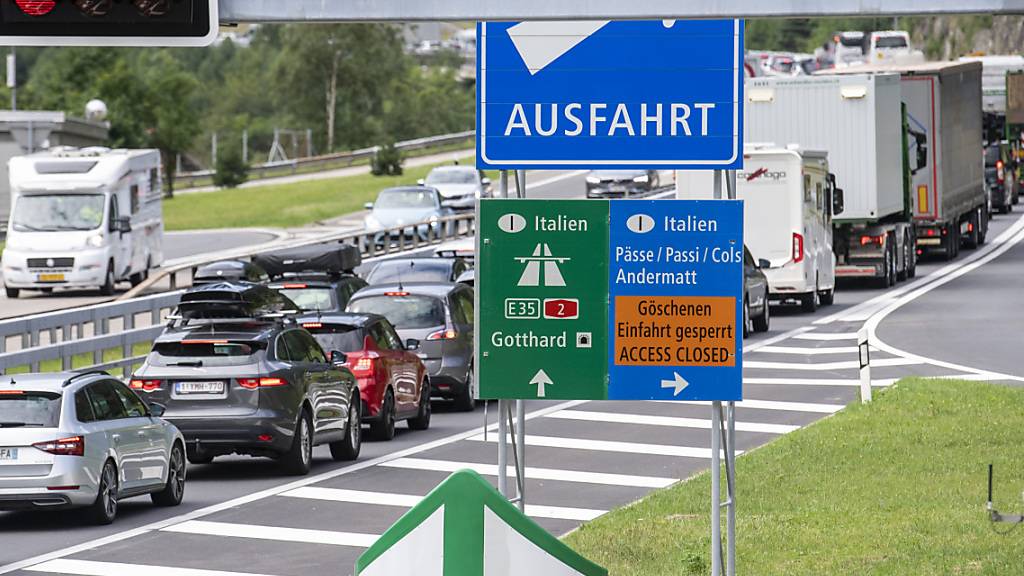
{"x":232,"y":300}
{"x":323,"y":258}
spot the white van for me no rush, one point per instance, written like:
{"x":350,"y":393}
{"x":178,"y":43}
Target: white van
{"x":83,"y":218}
{"x":787,"y":219}
{"x":893,"y":47}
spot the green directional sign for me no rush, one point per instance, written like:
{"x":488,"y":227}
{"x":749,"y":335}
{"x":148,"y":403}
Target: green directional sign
{"x":543,"y":317}
{"x":467,"y":528}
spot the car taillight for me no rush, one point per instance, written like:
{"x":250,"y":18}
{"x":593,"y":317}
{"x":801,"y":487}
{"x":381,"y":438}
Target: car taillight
{"x":866,"y":240}
{"x":448,"y":334}
{"x":294,"y":286}
{"x":798,"y":247}
{"x":145,"y":385}
{"x":363,"y":366}
{"x":1000,"y":173}
{"x":254,"y":383}
{"x":72,"y":446}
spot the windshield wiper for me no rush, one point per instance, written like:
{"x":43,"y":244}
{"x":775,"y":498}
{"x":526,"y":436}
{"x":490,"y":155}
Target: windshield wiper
{"x":20,"y":424}
{"x":30,"y":228}
{"x":188,"y":363}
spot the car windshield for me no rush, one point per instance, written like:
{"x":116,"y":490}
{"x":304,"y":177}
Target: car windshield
{"x":452,"y":177}
{"x":55,"y":212}
{"x":852,"y":41}
{"x":890,"y":42}
{"x":201,"y":352}
{"x":401,"y":271}
{"x":36,"y":409}
{"x":397,"y":199}
{"x":310,"y":298}
{"x":340,"y":337}
{"x":403,"y":310}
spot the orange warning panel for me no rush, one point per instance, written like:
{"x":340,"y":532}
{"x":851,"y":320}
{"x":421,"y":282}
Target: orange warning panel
{"x":674,"y":331}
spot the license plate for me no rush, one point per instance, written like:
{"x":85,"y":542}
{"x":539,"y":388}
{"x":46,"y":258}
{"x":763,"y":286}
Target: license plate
{"x":199,"y":387}
{"x":8,"y":454}
{"x":51,"y":277}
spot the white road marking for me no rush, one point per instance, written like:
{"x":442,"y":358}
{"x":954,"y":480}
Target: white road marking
{"x":92,"y":568}
{"x":877,"y":382}
{"x":610,"y":446}
{"x":273,"y":491}
{"x":776,"y":339}
{"x":827,"y":336}
{"x":844,"y":365}
{"x":672,"y":421}
{"x":410,"y":500}
{"x":278,"y":533}
{"x":534,"y":473}
{"x":770,"y":405}
{"x":804,"y":351}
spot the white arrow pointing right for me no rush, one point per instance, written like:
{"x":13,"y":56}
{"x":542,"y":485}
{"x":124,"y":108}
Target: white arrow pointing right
{"x":679,"y":383}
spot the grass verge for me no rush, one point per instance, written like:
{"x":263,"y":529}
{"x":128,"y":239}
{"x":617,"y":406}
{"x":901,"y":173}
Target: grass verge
{"x":895,"y":487}
{"x":84,"y":360}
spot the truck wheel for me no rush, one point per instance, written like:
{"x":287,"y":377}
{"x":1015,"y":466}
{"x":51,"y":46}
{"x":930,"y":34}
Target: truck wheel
{"x":975,"y":225}
{"x":886,"y":279}
{"x":951,"y":243}
{"x":12,"y":293}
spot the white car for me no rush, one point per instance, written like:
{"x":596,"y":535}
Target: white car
{"x":84,"y":440}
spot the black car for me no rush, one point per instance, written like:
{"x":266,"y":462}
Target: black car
{"x":756,"y":312}
{"x":229,"y":271}
{"x":621,"y":183}
{"x":426,"y":269}
{"x":999,"y":178}
{"x":317,"y":278}
{"x":238,"y":376}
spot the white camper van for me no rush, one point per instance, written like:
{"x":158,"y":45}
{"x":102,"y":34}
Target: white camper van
{"x":83,"y":218}
{"x":788,"y":197}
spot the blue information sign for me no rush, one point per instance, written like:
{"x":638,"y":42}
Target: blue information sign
{"x":675,"y":278}
{"x":601,"y":94}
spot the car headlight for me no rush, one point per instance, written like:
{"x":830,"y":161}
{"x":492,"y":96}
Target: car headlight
{"x":372,"y":223}
{"x":641,"y":179}
{"x":593,"y":180}
{"x":96,"y":241}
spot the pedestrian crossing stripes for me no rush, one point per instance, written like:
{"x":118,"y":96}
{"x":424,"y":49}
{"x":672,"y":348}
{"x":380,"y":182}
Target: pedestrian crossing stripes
{"x":93,"y":568}
{"x":843,"y":365}
{"x":534,"y":473}
{"x":609,"y":446}
{"x":773,"y":405}
{"x":274,"y":533}
{"x":672,"y":421}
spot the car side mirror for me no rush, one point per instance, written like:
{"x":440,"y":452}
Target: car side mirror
{"x":368,"y":205}
{"x":123,"y":225}
{"x":838,"y":202}
{"x":338,"y":358}
{"x":412,"y":344}
{"x":157,"y":410}
{"x":764,"y":263}
{"x":421,"y":182}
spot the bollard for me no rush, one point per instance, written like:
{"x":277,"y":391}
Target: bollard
{"x":864,"y":352}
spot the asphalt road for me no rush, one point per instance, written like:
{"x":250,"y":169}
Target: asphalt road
{"x":241,"y":517}
{"x":176,"y":245}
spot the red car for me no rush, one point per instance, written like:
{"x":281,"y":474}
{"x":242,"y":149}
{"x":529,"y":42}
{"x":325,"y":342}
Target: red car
{"x":392,"y":379}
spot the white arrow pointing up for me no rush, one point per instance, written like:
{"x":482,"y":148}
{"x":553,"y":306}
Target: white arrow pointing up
{"x":679,"y":384}
{"x":541,"y":379}
{"x":541,"y":43}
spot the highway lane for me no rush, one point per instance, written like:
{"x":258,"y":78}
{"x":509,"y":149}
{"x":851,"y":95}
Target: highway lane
{"x":176,"y":245}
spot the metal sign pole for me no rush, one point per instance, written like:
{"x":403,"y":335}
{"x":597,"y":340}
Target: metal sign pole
{"x":502,"y":408}
{"x":520,"y":439}
{"x":716,"y":473}
{"x":730,"y":569}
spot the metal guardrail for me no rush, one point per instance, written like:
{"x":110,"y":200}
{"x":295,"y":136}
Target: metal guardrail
{"x":338,"y":159}
{"x":114,"y":326}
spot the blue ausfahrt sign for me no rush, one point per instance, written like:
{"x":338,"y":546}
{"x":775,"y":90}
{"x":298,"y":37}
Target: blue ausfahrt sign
{"x":601,"y":94}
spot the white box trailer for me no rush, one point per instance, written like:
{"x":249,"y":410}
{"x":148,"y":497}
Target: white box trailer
{"x":788,"y":204}
{"x":858,"y":120}
{"x":83,"y":218}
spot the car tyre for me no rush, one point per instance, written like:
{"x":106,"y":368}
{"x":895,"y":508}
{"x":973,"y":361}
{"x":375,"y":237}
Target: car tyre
{"x":762,"y":322}
{"x":299,"y":458}
{"x":384,"y":427}
{"x":104,"y":509}
{"x":107,"y":289}
{"x":12,"y":293}
{"x":746,"y":318}
{"x":348,"y":449}
{"x":809,"y":302}
{"x":465,"y":401}
{"x":827,"y":297}
{"x":422,"y":419}
{"x":174,"y":490}
{"x":196,"y":458}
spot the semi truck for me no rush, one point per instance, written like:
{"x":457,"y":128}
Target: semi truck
{"x":858,"y":119}
{"x":83,"y":218}
{"x":944,"y":102}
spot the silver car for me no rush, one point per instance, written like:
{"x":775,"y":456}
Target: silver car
{"x":84,"y":440}
{"x":460,"y":186}
{"x":409,"y":211}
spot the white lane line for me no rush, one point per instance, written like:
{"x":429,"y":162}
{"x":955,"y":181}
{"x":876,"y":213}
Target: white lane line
{"x":671,"y":421}
{"x":410,"y":500}
{"x":844,"y":365}
{"x":776,"y":339}
{"x":827,"y":336}
{"x":610,"y":446}
{"x":279,"y":533}
{"x":878,"y":382}
{"x":273,"y":491}
{"x":769,"y":405}
{"x":804,"y":351}
{"x":92,"y":568}
{"x":534,"y":473}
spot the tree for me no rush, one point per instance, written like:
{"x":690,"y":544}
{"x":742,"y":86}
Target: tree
{"x":231,"y":171}
{"x":174,"y":121}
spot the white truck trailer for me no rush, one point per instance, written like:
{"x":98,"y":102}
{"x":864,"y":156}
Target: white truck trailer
{"x":83,"y":218}
{"x":857,"y":119}
{"x":944,"y":103}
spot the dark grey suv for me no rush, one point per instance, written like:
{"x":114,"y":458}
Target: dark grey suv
{"x":236,"y":375}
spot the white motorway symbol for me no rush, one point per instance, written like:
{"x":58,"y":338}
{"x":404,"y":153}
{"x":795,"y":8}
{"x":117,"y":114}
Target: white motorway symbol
{"x":679,"y":383}
{"x":541,"y":379}
{"x":541,"y":255}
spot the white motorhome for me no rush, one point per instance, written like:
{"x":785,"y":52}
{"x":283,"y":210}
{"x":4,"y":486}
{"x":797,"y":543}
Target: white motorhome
{"x":83,"y":218}
{"x":788,"y":205}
